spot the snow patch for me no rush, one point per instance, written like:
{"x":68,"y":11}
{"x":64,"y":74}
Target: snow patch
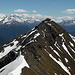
{"x":66,"y":60}
{"x":15,"y":67}
{"x":18,"y":48}
{"x":8,"y":49}
{"x":33,"y":28}
{"x":32,"y":32}
{"x":36,"y":35}
{"x":46,"y":51}
{"x":24,"y":36}
{"x":28,"y":43}
{"x":55,"y":74}
{"x":56,"y":44}
{"x":29,"y":35}
{"x":49,"y":24}
{"x":71,"y":49}
{"x":61,"y":64}
{"x":61,"y":35}
{"x":71,"y":44}
{"x":56,"y":53}
{"x":69,"y":67}
{"x":45,"y":30}
{"x":43,"y":34}
{"x":73,"y":38}
{"x":63,"y":45}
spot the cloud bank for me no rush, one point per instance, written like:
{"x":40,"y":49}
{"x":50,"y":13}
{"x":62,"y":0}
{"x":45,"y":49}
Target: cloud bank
{"x":69,"y":11}
{"x":20,"y":10}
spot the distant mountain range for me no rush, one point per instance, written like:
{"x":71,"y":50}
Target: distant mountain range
{"x":18,"y":19}
{"x":12,"y":25}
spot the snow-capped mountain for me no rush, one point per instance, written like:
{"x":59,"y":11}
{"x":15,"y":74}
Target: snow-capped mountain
{"x":9,"y":19}
{"x":47,"y":49}
{"x":19,"y":19}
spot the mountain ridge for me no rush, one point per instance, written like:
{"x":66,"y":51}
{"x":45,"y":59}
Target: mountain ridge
{"x":47,"y":49}
{"x":21,"y":19}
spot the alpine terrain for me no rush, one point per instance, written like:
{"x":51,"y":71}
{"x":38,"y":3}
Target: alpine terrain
{"x":12,"y":25}
{"x":47,"y":49}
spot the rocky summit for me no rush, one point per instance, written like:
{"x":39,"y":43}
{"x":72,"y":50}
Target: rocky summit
{"x":47,"y":49}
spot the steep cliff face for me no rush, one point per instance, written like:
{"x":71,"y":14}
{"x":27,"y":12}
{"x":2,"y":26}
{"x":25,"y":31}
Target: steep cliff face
{"x":47,"y":50}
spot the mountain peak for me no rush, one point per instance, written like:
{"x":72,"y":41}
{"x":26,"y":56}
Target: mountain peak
{"x":47,"y":19}
{"x":47,"y":49}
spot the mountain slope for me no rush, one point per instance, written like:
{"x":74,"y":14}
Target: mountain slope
{"x":47,"y":49}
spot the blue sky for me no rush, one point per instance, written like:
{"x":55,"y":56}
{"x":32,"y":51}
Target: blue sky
{"x":55,"y":8}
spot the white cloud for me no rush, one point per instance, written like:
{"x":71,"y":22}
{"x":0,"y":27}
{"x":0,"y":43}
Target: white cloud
{"x":20,"y":10}
{"x":69,"y":11}
{"x":34,"y":11}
